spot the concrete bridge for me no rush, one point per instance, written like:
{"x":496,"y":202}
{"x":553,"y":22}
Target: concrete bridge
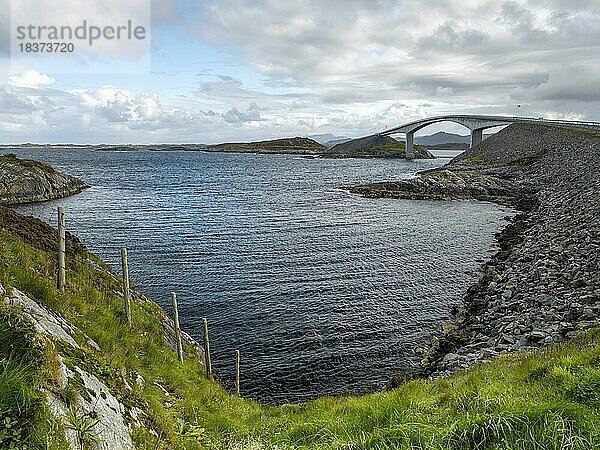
{"x":475,"y":123}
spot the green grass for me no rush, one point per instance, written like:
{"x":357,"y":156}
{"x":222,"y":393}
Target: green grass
{"x":574,"y":129}
{"x":25,"y":422}
{"x":526,"y":161}
{"x":547,"y":399}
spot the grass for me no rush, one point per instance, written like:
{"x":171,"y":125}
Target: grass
{"x":574,"y":129}
{"x":546,"y":399}
{"x":25,"y":422}
{"x":526,"y":161}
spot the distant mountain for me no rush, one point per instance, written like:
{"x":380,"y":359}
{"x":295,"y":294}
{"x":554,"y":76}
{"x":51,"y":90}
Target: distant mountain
{"x":442,"y":138}
{"x":328,"y":139}
{"x":446,"y":138}
{"x":335,"y":142}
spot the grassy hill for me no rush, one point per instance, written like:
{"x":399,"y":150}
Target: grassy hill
{"x":374,"y":146}
{"x":297,"y":145}
{"x":543,"y":399}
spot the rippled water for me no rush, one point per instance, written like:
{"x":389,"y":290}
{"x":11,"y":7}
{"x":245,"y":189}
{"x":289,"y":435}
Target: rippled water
{"x":323,"y":292}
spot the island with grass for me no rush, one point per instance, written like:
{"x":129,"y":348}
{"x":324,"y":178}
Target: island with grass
{"x":370,"y":147}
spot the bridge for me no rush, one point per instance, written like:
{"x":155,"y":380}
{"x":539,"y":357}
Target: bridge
{"x":476,"y":124}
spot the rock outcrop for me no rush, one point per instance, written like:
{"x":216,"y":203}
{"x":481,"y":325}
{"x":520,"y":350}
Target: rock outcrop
{"x":544,"y":283}
{"x":91,"y":398}
{"x":26,"y":181}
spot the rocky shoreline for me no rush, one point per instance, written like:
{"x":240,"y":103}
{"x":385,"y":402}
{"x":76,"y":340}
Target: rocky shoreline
{"x":31,"y":181}
{"x":27,"y":181}
{"x":543,"y":285}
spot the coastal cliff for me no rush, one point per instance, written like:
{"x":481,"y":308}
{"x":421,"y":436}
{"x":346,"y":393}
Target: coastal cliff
{"x":26,"y":181}
{"x":69,"y":348}
{"x":543,"y":285}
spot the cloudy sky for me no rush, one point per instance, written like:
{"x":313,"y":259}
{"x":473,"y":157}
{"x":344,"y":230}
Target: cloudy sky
{"x":257,"y":69}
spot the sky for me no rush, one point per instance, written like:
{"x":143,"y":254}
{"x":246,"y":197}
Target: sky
{"x":240,"y":70}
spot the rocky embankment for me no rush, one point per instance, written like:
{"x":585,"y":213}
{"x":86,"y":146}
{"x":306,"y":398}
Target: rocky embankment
{"x":543,"y":285}
{"x":26,"y":181}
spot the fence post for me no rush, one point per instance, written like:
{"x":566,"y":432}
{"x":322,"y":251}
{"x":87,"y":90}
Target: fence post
{"x":237,"y":373}
{"x":207,"y":350}
{"x":126,"y":291}
{"x":177,"y":329}
{"x":61,"y":249}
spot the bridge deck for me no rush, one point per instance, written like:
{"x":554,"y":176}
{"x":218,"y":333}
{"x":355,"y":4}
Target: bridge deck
{"x":476,"y":123}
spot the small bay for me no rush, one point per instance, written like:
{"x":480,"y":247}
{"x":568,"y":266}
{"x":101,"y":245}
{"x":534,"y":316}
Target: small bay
{"x":323,"y":292}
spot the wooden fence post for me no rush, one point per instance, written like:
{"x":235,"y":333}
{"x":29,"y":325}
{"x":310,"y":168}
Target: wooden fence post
{"x":126,"y":291}
{"x":207,"y":350}
{"x":237,"y":373}
{"x":177,"y":329}
{"x":61,"y":249}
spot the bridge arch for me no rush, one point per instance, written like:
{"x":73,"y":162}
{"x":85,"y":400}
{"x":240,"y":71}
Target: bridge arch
{"x":476,"y":124}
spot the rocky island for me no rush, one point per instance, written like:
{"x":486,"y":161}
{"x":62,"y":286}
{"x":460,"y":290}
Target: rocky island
{"x":368,"y":147}
{"x":24,"y":181}
{"x":294,"y":146}
{"x":543,"y":285}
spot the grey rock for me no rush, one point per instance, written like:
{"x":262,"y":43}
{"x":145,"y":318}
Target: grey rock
{"x":23,"y":181}
{"x":45,"y":321}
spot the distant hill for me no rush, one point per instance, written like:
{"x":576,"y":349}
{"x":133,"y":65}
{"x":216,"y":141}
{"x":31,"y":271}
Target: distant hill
{"x":442,"y":137}
{"x":374,"y":146}
{"x":326,"y":138}
{"x":297,"y":145}
{"x":335,"y":142}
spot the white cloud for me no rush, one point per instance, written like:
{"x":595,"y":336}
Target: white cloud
{"x":120,"y":105}
{"x":250,"y":114}
{"x":350,"y":67}
{"x":30,"y":79}
{"x":360,"y":52}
